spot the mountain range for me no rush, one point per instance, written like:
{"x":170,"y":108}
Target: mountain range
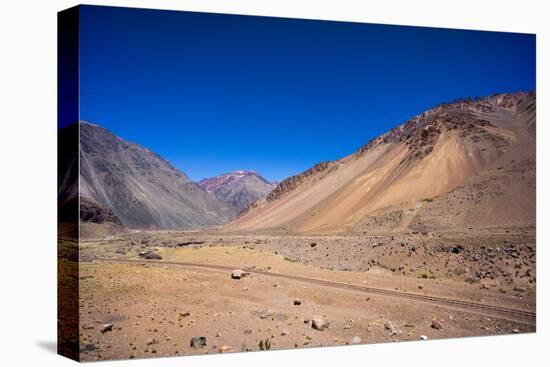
{"x":469,"y":163}
{"x":124,"y":183}
{"x":238,"y":189}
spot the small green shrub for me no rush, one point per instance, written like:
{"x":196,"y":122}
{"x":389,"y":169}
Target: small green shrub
{"x":265,"y":344}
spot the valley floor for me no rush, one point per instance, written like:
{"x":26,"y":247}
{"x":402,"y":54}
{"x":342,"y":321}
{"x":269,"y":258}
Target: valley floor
{"x":157,"y":306}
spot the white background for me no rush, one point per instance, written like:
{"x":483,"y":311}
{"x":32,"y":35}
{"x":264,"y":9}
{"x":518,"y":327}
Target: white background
{"x":28,"y":181}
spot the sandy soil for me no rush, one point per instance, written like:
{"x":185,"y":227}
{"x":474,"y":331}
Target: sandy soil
{"x":156,"y":309}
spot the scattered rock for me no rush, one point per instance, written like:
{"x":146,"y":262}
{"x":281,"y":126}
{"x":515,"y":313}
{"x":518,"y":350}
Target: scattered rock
{"x":198,"y":342}
{"x":319,"y":324}
{"x":423,"y":337}
{"x":347,"y":327}
{"x":238,"y":274}
{"x":297,"y":302}
{"x":436,"y":324}
{"x":457,"y":249}
{"x":313,"y":244}
{"x":152,"y":341}
{"x":421,"y":286}
{"x":284,"y":332}
{"x":515,"y":331}
{"x":266,"y":314}
{"x":185,"y":314}
{"x":355,"y":340}
{"x":226,"y":349}
{"x":389,"y":326}
{"x":106,"y":327}
{"x":150,"y":255}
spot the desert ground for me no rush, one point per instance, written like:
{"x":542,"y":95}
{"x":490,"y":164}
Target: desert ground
{"x":164,"y":293}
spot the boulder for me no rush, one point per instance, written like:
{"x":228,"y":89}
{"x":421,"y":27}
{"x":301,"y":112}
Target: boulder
{"x":226,"y":349}
{"x":152,"y":341}
{"x":150,"y":255}
{"x":319,"y":324}
{"x":436,"y":324}
{"x":106,"y":327}
{"x":238,"y":274}
{"x":198,"y":342}
{"x":389,"y":326}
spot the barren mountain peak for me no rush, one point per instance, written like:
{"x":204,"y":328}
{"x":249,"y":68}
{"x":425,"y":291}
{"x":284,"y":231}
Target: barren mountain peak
{"x":139,"y":187}
{"x":238,"y":189}
{"x":402,"y":178}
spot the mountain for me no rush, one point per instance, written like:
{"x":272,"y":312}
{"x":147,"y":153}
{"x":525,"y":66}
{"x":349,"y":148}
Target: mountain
{"x":238,"y":189}
{"x":468,"y":163}
{"x":122,"y":180}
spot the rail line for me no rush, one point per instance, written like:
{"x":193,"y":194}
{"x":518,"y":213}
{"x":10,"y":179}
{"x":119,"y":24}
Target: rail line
{"x":513,"y":314}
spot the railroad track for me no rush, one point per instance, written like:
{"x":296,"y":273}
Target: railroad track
{"x":513,"y":314}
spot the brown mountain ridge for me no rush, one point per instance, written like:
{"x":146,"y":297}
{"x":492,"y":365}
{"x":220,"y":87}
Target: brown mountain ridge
{"x":469,"y":163}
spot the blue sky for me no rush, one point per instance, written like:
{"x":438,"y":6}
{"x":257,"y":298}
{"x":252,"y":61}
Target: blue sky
{"x":215,"y":93}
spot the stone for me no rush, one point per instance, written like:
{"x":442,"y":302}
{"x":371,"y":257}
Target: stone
{"x":226,"y":349}
{"x":319,"y":324}
{"x":106,"y":327}
{"x":389,"y":326}
{"x":297,"y":302}
{"x":238,"y":274}
{"x":198,"y":342}
{"x":355,"y":340}
{"x":150,"y":255}
{"x":266,"y":314}
{"x":423,"y":337}
{"x":152,"y":341}
{"x":421,"y":286}
{"x":284,"y":332}
{"x":436,"y":324}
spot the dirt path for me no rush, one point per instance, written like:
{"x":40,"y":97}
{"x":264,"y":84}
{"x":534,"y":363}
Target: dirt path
{"x":522,"y":316}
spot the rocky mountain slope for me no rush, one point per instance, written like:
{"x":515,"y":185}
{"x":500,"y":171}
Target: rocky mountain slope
{"x":238,"y":189}
{"x":120,"y":179}
{"x":469,"y":163}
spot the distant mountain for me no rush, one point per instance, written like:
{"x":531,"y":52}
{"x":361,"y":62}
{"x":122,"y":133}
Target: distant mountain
{"x":238,"y":189}
{"x":468,"y":163}
{"x":120,"y":180}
